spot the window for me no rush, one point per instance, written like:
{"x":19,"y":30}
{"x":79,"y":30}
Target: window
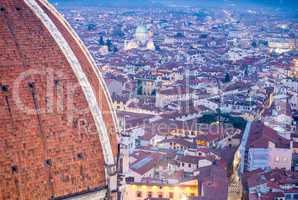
{"x":288,"y":196}
{"x":4,"y":88}
{"x":160,"y":195}
{"x":48,"y":163}
{"x":171,"y":195}
{"x":31,"y":85}
{"x":80,"y":156}
{"x":56,"y":82}
{"x":14,"y":169}
{"x":277,"y":159}
{"x":149,"y":195}
{"x":182,"y":164}
{"x":189,"y":165}
{"x":139,"y":194}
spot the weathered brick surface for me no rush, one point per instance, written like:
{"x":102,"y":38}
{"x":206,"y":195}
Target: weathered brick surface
{"x":62,"y":135}
{"x":101,"y":98}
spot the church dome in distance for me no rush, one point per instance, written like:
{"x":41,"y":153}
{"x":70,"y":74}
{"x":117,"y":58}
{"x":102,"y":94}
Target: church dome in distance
{"x":141,"y":34}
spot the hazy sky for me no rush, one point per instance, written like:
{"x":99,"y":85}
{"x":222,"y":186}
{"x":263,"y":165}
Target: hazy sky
{"x":293,"y":4}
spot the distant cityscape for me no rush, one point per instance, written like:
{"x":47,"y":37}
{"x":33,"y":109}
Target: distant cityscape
{"x":207,"y":99}
{"x":177,"y":100}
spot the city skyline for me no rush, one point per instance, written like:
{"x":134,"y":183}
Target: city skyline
{"x":286,"y":4}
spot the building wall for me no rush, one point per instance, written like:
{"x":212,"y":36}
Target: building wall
{"x":204,"y":163}
{"x":271,"y":157}
{"x":162,"y":99}
{"x":280,"y":158}
{"x":294,"y":102}
{"x":258,"y":158}
{"x":188,"y":167}
{"x":178,"y":192}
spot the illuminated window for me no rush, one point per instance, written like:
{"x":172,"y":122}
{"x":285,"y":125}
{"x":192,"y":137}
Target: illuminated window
{"x":139,"y":194}
{"x":277,"y":159}
{"x":285,"y":159}
{"x":160,"y":195}
{"x":171,"y":195}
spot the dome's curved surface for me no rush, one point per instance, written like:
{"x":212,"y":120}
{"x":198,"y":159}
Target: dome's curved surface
{"x":141,"y":29}
{"x":57,"y":129}
{"x":141,"y":34}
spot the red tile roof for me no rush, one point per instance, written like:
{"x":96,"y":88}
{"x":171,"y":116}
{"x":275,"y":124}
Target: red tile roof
{"x":261,"y":135}
{"x":145,"y":163}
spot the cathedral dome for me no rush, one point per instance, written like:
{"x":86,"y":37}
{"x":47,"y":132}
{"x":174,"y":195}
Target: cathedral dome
{"x":141,"y":34}
{"x":58,"y":128}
